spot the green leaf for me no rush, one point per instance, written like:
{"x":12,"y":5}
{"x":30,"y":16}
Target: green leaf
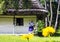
{"x":1,"y":7}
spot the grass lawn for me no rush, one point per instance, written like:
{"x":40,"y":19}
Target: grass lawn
{"x":13,"y":38}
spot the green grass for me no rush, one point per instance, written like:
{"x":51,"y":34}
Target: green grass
{"x":9,"y":38}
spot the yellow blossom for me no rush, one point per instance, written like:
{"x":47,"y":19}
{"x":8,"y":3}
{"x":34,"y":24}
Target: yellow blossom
{"x":27,"y":36}
{"x":47,"y":31}
{"x":51,"y":30}
{"x":44,"y":32}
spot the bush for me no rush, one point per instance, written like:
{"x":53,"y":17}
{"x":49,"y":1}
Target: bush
{"x":40,"y":25}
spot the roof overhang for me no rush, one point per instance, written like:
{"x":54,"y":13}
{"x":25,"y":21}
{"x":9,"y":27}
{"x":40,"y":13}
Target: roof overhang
{"x":27,"y":11}
{"x":24,"y":10}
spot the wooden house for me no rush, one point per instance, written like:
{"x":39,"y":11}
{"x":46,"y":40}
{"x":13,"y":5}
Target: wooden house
{"x":17,"y":21}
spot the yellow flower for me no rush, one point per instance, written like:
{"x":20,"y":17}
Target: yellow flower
{"x":47,"y":31}
{"x":52,"y":30}
{"x":30,"y":35}
{"x":27,"y":36}
{"x":44,"y":32}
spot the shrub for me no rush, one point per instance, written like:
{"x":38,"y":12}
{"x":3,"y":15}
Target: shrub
{"x":40,"y":25}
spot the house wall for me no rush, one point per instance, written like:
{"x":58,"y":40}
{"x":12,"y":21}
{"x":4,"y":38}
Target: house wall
{"x":6,"y":24}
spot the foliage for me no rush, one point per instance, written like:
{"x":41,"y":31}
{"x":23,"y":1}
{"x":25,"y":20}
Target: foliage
{"x":48,"y":31}
{"x":12,"y":4}
{"x":16,"y":4}
{"x":40,"y":25}
{"x":42,"y":1}
{"x":27,"y":4}
{"x":7,"y":4}
{"x":1,"y":6}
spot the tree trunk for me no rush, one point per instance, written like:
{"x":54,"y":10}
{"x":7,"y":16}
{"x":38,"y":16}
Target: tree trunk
{"x":45,"y":17}
{"x":45,"y":21}
{"x":57,"y":16}
{"x":45,"y":4}
{"x":50,"y":22}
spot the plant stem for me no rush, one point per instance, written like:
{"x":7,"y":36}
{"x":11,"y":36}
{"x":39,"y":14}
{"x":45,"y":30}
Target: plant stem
{"x":50,"y":38}
{"x":28,"y":39}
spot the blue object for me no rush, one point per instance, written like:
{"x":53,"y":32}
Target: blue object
{"x":31,"y":28}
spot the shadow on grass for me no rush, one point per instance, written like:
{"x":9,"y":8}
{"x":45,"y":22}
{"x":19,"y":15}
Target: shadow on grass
{"x":56,"y":34}
{"x":39,"y":34}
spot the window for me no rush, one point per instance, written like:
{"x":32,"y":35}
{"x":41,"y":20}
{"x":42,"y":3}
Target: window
{"x":19,"y":21}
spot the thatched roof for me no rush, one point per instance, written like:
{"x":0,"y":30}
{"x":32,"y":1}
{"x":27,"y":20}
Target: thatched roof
{"x":37,"y":8}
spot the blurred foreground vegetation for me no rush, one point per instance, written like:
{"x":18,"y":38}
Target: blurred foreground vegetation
{"x":13,"y":38}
